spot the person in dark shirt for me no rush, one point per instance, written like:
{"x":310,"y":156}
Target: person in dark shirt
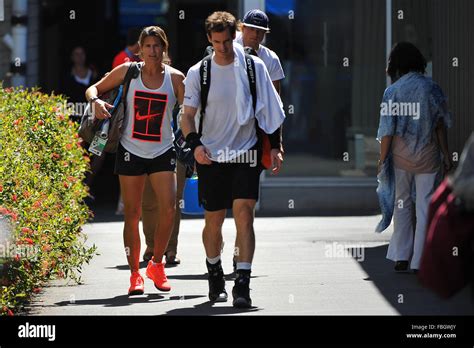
{"x":77,"y":79}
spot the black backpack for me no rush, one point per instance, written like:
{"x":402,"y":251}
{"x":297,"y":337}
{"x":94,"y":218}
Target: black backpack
{"x":205,"y":77}
{"x":110,"y":129}
{"x":263,"y":143}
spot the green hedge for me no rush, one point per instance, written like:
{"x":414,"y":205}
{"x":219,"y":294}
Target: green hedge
{"x":42,"y":209}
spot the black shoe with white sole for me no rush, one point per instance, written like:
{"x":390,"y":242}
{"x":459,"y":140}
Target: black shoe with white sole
{"x":241,"y":290}
{"x":216,"y":280}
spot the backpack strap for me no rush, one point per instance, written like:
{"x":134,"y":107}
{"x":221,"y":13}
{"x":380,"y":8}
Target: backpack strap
{"x":205,"y":78}
{"x":132,"y":73}
{"x":250,"y":66}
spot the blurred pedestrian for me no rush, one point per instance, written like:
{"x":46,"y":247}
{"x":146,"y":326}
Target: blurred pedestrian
{"x":130,"y":52}
{"x":412,"y":131}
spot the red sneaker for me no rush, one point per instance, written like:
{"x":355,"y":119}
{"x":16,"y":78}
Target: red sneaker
{"x":137,"y":286}
{"x":156,"y":272}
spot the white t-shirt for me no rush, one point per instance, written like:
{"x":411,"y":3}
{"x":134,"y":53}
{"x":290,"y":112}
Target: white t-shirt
{"x":221,"y":132}
{"x":270,"y":58}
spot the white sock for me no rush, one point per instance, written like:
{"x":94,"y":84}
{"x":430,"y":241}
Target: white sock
{"x":245,"y":266}
{"x":214,"y":260}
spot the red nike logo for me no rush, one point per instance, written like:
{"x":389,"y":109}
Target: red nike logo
{"x":146,"y":117}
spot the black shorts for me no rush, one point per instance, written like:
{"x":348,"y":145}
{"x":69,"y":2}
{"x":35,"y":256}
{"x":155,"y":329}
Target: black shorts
{"x":220,"y":183}
{"x":126,"y":163}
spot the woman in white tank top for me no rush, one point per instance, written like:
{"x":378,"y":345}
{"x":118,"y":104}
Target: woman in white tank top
{"x":146,"y":148}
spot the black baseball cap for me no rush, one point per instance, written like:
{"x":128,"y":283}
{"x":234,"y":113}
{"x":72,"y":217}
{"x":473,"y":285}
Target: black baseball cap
{"x":256,"y":19}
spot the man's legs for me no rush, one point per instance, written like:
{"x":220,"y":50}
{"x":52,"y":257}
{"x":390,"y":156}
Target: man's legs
{"x":172,"y":248}
{"x":243,"y":210}
{"x":212,"y":239}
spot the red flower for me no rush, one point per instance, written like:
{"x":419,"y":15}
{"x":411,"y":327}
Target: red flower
{"x":17,"y":257}
{"x":61,"y":117}
{"x":1,"y":188}
{"x":34,"y":129}
{"x":40,"y":123}
{"x":37,"y":204}
{"x":14,"y":198}
{"x":36,"y":290}
{"x":26,"y":230}
{"x":36,"y":165}
{"x":29,"y":241}
{"x":66,"y":185}
{"x":68,"y":146}
{"x":55,"y":155}
{"x":26,"y":194}
{"x":67,"y":219}
{"x":45,"y":215}
{"x":10,"y":313}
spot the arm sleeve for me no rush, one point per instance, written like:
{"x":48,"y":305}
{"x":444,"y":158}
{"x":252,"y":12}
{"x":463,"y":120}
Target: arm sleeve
{"x":192,"y":89}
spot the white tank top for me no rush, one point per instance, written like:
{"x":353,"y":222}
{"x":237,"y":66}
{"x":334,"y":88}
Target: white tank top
{"x":148,"y":132}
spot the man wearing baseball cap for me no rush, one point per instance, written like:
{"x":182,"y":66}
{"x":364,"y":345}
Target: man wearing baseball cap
{"x":253,"y":28}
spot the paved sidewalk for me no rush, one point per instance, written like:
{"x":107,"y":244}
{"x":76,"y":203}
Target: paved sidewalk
{"x":302,"y":266}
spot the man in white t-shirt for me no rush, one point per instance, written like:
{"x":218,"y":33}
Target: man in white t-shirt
{"x":253,"y":28}
{"x":226,"y":151}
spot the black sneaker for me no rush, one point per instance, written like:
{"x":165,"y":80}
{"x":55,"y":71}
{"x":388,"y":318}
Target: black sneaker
{"x":401,"y":266}
{"x":216,"y":280}
{"x":241,"y":290}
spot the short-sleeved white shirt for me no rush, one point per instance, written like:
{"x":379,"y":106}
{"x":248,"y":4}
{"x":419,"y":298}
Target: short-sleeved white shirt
{"x":222,"y":135}
{"x":270,"y":58}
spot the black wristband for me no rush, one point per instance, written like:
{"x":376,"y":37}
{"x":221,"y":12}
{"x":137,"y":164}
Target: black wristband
{"x":275,"y":138}
{"x":193,"y":140}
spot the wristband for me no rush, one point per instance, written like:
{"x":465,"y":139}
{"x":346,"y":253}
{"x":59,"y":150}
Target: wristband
{"x":93,"y":99}
{"x":193,"y":140}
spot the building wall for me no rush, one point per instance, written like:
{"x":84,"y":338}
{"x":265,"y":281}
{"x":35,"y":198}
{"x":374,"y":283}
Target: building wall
{"x":453,"y":36}
{"x":32,"y":69}
{"x":4,"y":50}
{"x":33,"y":43}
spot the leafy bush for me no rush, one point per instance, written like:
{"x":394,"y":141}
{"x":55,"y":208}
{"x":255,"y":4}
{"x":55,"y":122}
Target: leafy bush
{"x":42,"y":209}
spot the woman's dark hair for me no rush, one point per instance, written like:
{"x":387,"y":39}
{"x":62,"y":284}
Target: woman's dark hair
{"x":404,"y":58}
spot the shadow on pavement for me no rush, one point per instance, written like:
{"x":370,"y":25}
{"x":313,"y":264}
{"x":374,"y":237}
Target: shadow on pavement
{"x":143,"y":265}
{"x":125,"y":300}
{"x":403,"y":290}
{"x":207,"y":308}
